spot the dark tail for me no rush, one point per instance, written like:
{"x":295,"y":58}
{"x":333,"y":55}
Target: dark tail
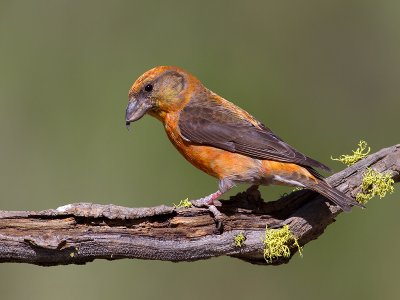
{"x":336,"y":196}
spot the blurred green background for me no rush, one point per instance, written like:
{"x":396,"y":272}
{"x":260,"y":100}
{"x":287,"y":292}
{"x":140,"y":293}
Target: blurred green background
{"x":321,"y":74}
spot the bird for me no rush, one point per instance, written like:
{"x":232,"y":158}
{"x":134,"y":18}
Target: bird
{"x":222,"y":139}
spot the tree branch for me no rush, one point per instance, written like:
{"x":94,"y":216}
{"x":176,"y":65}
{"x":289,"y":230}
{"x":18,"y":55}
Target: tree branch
{"x":79,"y":233}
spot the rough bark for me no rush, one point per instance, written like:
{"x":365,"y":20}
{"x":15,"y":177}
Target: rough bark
{"x":79,"y":233}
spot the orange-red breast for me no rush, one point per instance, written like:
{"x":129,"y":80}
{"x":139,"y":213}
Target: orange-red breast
{"x":222,"y":139}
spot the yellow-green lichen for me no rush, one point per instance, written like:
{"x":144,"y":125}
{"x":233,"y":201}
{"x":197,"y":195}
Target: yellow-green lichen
{"x":183,"y":204}
{"x":374,"y":184}
{"x":277,"y":243}
{"x":239,"y":240}
{"x":357,"y":155}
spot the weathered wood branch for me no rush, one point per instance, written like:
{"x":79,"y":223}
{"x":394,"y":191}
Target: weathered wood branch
{"x":79,"y":233}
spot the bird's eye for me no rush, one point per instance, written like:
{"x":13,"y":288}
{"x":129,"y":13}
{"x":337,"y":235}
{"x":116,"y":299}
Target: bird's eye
{"x":148,"y":88}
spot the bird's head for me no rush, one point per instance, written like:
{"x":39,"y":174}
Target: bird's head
{"x":157,"y":92}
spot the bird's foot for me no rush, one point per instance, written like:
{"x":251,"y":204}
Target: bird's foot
{"x":211,"y":203}
{"x":203,"y":202}
{"x":217,"y":216}
{"x":208,"y":200}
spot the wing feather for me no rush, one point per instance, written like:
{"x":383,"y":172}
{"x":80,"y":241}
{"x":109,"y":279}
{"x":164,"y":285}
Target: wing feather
{"x":208,"y":120}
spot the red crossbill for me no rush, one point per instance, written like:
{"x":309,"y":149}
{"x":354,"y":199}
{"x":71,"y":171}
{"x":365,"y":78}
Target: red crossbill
{"x":222,"y":139}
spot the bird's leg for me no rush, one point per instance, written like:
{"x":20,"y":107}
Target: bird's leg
{"x":209,"y":201}
{"x":224,"y":185}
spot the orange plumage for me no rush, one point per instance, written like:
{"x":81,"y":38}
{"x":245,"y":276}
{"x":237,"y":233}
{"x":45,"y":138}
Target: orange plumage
{"x":222,"y":139}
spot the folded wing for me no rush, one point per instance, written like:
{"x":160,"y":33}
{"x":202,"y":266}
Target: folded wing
{"x":216,"y":124}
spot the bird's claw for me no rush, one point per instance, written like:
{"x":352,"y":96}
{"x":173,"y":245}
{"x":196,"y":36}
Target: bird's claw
{"x":203,"y":202}
{"x":212,"y":207}
{"x":217,"y":217}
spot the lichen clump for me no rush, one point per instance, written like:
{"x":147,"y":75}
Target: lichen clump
{"x":277,"y":243}
{"x":373,"y":184}
{"x":357,"y":155}
{"x":239,"y":240}
{"x":183,"y":204}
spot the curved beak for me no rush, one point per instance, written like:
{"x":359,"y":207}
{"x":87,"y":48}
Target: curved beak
{"x":136,"y":109}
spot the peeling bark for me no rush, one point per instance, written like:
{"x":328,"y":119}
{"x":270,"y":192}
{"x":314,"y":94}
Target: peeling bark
{"x":79,"y":233}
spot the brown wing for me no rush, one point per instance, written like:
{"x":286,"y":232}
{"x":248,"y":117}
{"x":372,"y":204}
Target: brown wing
{"x":210,"y":122}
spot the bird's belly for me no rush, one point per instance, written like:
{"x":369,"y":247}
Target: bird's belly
{"x":220,"y":163}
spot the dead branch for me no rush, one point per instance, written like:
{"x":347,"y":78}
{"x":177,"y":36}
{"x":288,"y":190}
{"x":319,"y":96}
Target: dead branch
{"x":79,"y":233}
